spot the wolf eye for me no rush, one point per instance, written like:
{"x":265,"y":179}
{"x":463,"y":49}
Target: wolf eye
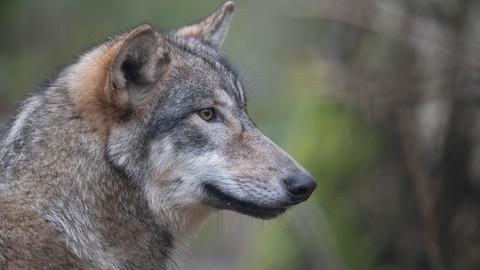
{"x":207,"y":114}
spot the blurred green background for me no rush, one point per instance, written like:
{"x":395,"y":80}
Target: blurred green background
{"x":367,"y":95}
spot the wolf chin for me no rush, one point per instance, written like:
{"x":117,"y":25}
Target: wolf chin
{"x":130,"y":148}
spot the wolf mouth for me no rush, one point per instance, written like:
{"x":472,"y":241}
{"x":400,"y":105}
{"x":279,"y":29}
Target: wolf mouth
{"x":223,"y":200}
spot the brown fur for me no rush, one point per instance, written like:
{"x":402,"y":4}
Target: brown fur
{"x":93,"y":92}
{"x":89,"y":93}
{"x":26,"y":239}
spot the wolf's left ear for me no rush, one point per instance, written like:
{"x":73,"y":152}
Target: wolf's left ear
{"x":214,"y":28}
{"x":137,"y":62}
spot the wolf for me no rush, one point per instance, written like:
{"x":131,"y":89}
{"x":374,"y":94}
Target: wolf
{"x":129,"y":149}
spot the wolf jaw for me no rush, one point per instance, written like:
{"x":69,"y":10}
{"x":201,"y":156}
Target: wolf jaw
{"x":115,"y":162}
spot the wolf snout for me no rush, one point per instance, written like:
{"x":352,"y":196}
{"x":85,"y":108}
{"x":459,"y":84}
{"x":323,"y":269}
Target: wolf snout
{"x":300,"y":186}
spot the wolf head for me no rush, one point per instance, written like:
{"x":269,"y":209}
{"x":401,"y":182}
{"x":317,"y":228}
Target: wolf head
{"x":173,"y":116}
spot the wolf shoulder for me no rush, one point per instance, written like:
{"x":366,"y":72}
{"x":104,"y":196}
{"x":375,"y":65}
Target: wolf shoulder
{"x":4,"y":127}
{"x":27,"y":242}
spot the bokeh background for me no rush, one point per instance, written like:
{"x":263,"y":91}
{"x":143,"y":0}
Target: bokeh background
{"x":379,"y":99}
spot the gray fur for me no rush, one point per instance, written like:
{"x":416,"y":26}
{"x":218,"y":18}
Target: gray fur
{"x":3,"y":129}
{"x":116,"y":179}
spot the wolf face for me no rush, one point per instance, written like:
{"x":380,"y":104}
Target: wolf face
{"x":174,"y":118}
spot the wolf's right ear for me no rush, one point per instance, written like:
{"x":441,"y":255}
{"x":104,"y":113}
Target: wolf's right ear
{"x":214,"y":28}
{"x":137,"y":63}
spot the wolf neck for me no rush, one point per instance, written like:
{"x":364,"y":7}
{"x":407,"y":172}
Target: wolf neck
{"x":53,"y":156}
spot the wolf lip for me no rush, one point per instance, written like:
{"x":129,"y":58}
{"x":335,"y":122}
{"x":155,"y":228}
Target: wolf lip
{"x":222,"y":200}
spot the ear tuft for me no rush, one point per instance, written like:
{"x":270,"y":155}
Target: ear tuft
{"x":229,"y":6}
{"x":138,"y":30}
{"x":214,"y":28}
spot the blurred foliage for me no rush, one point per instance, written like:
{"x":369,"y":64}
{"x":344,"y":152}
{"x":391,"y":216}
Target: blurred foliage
{"x":332,"y":143}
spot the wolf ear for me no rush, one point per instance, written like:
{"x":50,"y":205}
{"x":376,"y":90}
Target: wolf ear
{"x":214,"y":28}
{"x":138,"y":63}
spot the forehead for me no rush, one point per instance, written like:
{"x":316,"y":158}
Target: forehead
{"x":205,"y":68}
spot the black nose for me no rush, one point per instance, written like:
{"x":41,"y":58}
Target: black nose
{"x":300,"y":186}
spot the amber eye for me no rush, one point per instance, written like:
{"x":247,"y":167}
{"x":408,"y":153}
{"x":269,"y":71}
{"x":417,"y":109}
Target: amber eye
{"x":207,"y":114}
